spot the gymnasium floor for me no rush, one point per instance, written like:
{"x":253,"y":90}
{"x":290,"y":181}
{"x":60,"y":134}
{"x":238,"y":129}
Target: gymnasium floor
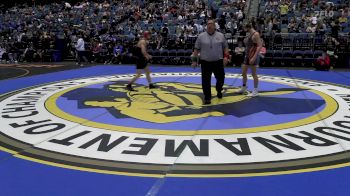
{"x":76,"y":131}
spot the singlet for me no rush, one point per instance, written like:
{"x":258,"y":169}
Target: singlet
{"x":138,"y":52}
{"x":249,"y":43}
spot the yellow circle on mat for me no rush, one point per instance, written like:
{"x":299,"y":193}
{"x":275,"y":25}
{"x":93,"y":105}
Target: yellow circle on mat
{"x":330,"y":109}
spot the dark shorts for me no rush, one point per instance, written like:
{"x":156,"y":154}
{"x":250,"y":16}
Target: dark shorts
{"x":141,"y":63}
{"x":256,"y":63}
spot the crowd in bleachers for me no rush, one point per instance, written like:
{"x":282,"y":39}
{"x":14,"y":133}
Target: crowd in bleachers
{"x":296,"y":32}
{"x":302,"y":16}
{"x":109,"y":28}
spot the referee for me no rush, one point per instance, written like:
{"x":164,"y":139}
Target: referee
{"x":214,"y":55}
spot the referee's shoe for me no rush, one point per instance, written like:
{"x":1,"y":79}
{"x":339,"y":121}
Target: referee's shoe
{"x":207,"y":102}
{"x":219,"y":95}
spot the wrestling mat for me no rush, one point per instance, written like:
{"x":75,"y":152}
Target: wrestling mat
{"x":79,"y":132}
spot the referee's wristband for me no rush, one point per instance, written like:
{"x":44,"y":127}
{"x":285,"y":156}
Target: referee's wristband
{"x":226,"y":56}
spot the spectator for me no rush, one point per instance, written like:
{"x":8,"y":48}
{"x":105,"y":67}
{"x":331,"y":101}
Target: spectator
{"x":118,"y":53}
{"x":321,"y":28}
{"x":239,"y":15}
{"x":96,"y":51}
{"x":164,"y":33}
{"x":284,"y":9}
{"x":323,"y":62}
{"x":159,"y":42}
{"x":313,"y":19}
{"x":343,"y":20}
{"x":292,"y":26}
{"x":222,"y":24}
{"x":3,"y":54}
{"x":239,"y":54}
{"x":275,"y":26}
{"x":28,"y":55}
{"x":331,"y":47}
{"x":311,"y":28}
{"x":14,"y":52}
{"x":335,"y":29}
{"x":269,"y":28}
{"x":80,"y":48}
{"x":109,"y":52}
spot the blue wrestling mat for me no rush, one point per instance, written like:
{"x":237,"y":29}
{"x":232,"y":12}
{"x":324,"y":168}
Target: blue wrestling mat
{"x":79,"y":132}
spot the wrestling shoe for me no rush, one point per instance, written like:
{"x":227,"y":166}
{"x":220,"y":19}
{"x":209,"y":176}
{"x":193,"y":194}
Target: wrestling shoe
{"x":129,"y":87}
{"x":254,"y":93}
{"x":243,"y":90}
{"x":152,"y":86}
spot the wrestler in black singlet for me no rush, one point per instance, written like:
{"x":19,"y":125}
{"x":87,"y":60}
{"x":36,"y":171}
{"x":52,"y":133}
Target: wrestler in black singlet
{"x":141,"y":61}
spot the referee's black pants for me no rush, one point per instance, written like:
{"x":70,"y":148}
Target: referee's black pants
{"x":209,"y":67}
